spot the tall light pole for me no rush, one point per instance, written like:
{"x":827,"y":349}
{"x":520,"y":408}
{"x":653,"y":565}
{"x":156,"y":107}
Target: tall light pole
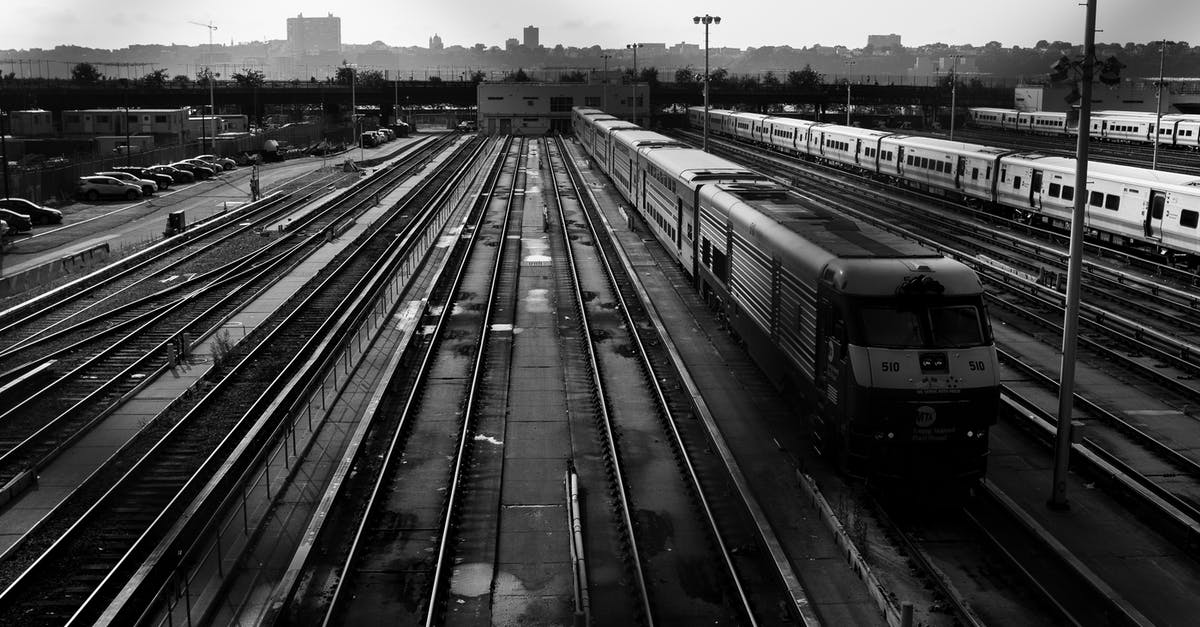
{"x":1162,"y":52}
{"x":211,"y":107}
{"x":604,"y":83}
{"x":354,"y":110}
{"x":706,"y":19}
{"x":1066,"y":385}
{"x":849,"y":64}
{"x":953,"y":90}
{"x":633,"y":84}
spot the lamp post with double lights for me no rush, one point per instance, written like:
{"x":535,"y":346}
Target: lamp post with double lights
{"x":1162,"y":51}
{"x":633,"y":84}
{"x":849,"y":65}
{"x":211,"y":107}
{"x":604,"y":83}
{"x":953,"y":90}
{"x":706,"y":19}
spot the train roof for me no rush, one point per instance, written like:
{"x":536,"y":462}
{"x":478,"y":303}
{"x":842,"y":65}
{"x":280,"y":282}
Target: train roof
{"x":851,"y":131}
{"x":614,"y":124}
{"x":1126,"y":173}
{"x":949,"y":145}
{"x":811,"y":237}
{"x":638,"y":137}
{"x":694,"y":166}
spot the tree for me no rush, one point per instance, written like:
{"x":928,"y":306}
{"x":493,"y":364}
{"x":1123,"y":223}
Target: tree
{"x":719,"y":78}
{"x":770,"y":80}
{"x":249,"y":78}
{"x":648,"y":75}
{"x":573,"y":77}
{"x":156,"y":79}
{"x":685,"y":75}
{"x":86,"y":73}
{"x":519,"y":77}
{"x":181,"y":80}
{"x":808,"y":78}
{"x":478,"y":76}
{"x":203,"y":75}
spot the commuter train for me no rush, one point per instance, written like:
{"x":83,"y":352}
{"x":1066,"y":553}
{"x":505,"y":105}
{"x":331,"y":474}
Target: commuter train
{"x":1176,"y":130}
{"x":890,"y":340}
{"x":1150,"y":210}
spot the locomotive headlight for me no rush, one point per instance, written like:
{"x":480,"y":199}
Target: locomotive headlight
{"x":970,"y":434}
{"x":891,"y":435}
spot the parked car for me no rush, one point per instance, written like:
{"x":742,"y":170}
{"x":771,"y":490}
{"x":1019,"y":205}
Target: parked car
{"x":225,"y":162}
{"x":179,"y":176}
{"x":94,"y":187}
{"x":36,"y":212}
{"x":148,"y":186}
{"x":164,"y":181}
{"x":17,"y":222}
{"x":214,"y":167}
{"x":199,"y":171}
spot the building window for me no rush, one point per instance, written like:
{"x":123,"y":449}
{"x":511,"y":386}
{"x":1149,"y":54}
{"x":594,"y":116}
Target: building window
{"x":591,"y":101}
{"x":160,"y":119}
{"x":561,"y":103}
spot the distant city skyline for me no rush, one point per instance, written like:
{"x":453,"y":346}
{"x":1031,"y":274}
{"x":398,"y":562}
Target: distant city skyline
{"x":751,"y":23}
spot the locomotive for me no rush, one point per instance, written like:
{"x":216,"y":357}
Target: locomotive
{"x":889,"y":340}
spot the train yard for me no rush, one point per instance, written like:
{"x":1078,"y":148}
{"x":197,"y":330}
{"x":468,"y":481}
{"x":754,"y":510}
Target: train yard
{"x":473,"y":387}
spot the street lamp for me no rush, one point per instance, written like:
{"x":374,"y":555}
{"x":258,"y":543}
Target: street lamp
{"x":211,"y":107}
{"x":633,"y":83}
{"x":706,"y":19}
{"x":849,"y":64}
{"x":604,"y":83}
{"x":953,"y":90}
{"x":1162,"y":51}
{"x":353,"y":67}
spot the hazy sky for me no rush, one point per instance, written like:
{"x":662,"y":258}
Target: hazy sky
{"x":797,"y":23}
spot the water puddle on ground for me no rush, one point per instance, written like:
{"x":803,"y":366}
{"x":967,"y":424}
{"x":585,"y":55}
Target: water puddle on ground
{"x":472,"y":580}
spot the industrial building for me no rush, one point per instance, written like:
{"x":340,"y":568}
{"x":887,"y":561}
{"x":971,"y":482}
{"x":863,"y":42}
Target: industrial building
{"x":538,"y":108}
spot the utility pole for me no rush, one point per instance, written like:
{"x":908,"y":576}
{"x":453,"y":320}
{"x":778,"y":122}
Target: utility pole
{"x":1066,"y":387}
{"x":849,"y":65}
{"x":953,"y":91}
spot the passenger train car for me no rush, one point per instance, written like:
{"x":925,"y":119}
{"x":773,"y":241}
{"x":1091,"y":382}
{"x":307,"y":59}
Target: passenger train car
{"x":1127,"y":206}
{"x":1177,"y":130}
{"x":890,"y":339}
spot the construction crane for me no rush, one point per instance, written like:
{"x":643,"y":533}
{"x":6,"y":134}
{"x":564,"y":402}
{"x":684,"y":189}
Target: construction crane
{"x":211,"y":106}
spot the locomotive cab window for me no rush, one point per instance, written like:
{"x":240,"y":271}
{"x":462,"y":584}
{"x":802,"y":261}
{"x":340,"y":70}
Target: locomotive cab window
{"x":1188,"y":218}
{"x":922,"y":325}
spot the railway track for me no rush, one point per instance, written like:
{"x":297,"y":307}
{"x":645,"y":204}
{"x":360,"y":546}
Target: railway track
{"x":71,"y":575}
{"x":105,"y":359}
{"x":453,"y":542}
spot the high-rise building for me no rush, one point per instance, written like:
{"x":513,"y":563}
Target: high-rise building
{"x":435,"y":42}
{"x":531,"y":37}
{"x":511,"y":43}
{"x":314,"y":35}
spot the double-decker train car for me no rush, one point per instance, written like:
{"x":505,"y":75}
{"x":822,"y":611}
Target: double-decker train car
{"x":1156,"y":209}
{"x":890,"y":340}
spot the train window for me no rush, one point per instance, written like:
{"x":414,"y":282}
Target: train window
{"x":1189,"y":218}
{"x":890,"y":328}
{"x":955,"y":326}
{"x":706,"y":252}
{"x":1112,"y":201}
{"x":1096,"y":199}
{"x":974,"y":174}
{"x":1068,"y":192}
{"x":988,"y":175}
{"x":1054,"y":190}
{"x":925,"y":163}
{"x":909,"y":160}
{"x":1003,"y":174}
{"x":1016,"y":182}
